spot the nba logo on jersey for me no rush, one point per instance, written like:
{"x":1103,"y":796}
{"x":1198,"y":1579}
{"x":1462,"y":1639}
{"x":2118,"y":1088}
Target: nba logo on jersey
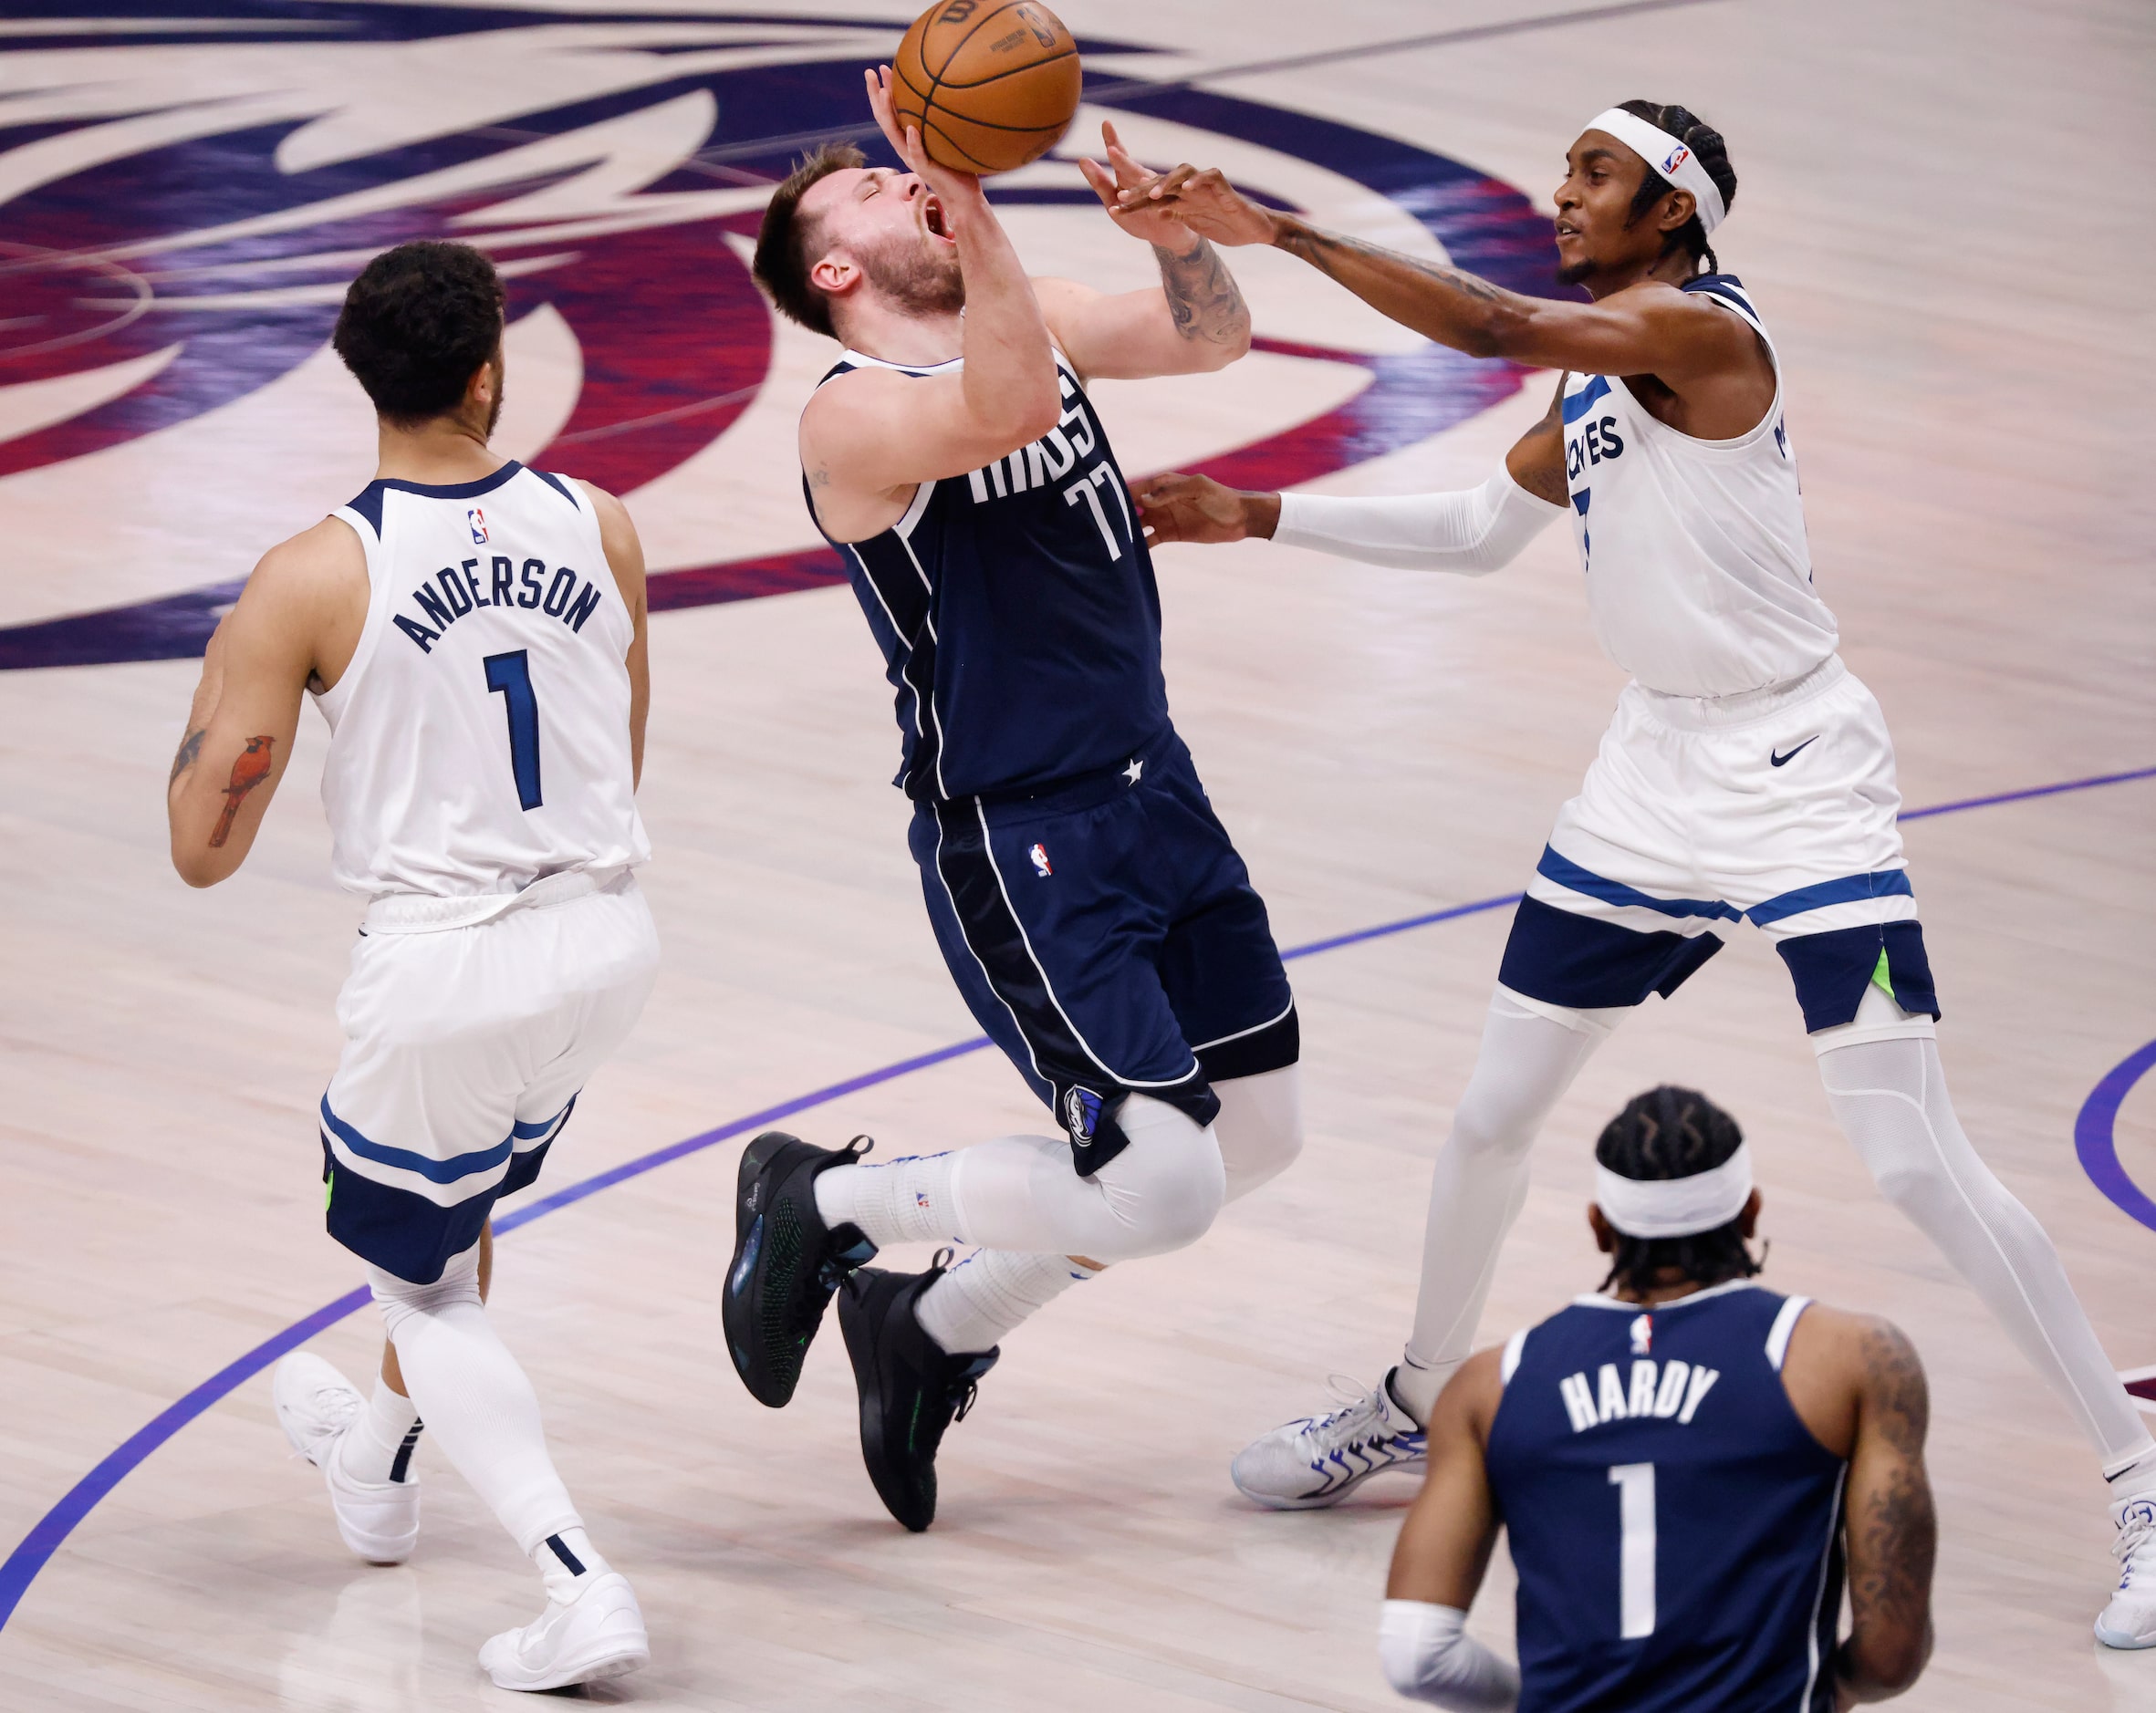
{"x":478,"y":519}
{"x":1642,"y":1335}
{"x":1678,"y":156}
{"x":1039,"y":853}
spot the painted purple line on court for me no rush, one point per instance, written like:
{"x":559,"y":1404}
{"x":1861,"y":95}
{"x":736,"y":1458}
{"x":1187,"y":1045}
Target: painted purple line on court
{"x":2096,"y":1141}
{"x":2034,"y":790}
{"x":32,"y":1551}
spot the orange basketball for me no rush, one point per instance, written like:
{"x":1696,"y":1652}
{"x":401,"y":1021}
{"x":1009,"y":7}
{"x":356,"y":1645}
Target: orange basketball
{"x":991,"y":83}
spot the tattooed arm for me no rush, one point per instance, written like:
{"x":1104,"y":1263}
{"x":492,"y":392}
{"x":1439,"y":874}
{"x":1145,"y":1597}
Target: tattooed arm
{"x":296,"y":624}
{"x":1892,"y":1531}
{"x":1650,"y":329}
{"x":1195,"y":320}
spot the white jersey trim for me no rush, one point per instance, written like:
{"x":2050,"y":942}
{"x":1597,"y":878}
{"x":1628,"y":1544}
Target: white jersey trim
{"x":1508,"y":1364}
{"x":1778,"y":1337}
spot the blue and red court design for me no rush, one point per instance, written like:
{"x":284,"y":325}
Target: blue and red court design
{"x":676,"y":341}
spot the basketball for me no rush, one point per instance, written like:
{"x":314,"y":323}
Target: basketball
{"x":990,"y":86}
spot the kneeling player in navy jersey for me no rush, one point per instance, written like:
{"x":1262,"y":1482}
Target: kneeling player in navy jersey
{"x":1687,"y":1467}
{"x":1092,"y":910}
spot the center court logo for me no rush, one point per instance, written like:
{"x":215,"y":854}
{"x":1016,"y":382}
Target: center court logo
{"x":161,"y":276}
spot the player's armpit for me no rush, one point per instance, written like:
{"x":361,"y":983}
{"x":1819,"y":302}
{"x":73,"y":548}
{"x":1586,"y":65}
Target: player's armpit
{"x":869,"y":438}
{"x":1444,"y":1546}
{"x":298,"y":617}
{"x":625,"y":558}
{"x":1892,"y":1531}
{"x":1537,"y":460}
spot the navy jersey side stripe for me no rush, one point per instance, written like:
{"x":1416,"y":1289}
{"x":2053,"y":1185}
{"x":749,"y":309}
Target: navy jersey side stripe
{"x":1819,"y":1692}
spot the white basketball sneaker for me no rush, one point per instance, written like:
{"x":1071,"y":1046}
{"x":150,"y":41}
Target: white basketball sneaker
{"x":2129,"y":1621}
{"x":599,"y":1635}
{"x":1320,"y":1459}
{"x":315,"y":1406}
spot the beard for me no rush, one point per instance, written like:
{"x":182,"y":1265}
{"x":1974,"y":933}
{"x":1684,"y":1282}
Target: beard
{"x":1573,"y":273}
{"x":924,"y":280}
{"x":493,"y":411}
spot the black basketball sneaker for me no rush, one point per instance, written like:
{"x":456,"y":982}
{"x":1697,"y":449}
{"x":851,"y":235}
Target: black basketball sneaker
{"x":911,"y":1389}
{"x":787,"y":1261}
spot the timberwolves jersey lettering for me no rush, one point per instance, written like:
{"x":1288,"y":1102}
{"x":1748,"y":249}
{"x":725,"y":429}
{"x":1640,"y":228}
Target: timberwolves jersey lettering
{"x":1018,"y":613}
{"x":1676,"y":1528}
{"x":1699,"y":578}
{"x":479,"y":739}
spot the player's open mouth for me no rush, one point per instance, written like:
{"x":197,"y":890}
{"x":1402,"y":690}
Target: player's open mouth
{"x":932,"y":217}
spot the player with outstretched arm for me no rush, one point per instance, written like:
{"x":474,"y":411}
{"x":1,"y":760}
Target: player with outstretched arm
{"x":1747,"y":776}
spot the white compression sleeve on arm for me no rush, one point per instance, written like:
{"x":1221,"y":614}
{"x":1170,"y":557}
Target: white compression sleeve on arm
{"x":1429,"y":1656}
{"x":1471,"y":531}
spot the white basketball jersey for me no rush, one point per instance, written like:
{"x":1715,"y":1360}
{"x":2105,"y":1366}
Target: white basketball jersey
{"x":479,"y":740}
{"x":1699,"y":581}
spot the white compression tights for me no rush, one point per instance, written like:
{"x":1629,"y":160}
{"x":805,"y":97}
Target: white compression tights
{"x":1018,"y":1198}
{"x":1530,"y":1053}
{"x":479,"y":1408}
{"x":1884,"y":1083}
{"x":1889,"y":1097}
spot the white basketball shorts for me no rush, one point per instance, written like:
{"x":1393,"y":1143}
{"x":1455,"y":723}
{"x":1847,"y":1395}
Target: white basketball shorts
{"x":1777,"y":807}
{"x":464,"y":1049}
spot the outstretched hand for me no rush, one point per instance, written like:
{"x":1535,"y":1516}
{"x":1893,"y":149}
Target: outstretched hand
{"x":1122,"y":178}
{"x":956,"y":190}
{"x":1201,"y":200}
{"x":1176,"y":507}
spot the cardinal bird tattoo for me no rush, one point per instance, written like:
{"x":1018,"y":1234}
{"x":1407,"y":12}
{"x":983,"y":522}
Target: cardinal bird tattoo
{"x":248,"y":771}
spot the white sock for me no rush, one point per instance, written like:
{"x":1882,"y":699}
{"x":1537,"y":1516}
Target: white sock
{"x":2134,"y":1477}
{"x":478,"y":1405}
{"x":568,"y":1563}
{"x":380,"y":1439}
{"x":970,"y":1307}
{"x":1529,"y":1055}
{"x":906,"y":1200}
{"x":1889,"y":1097}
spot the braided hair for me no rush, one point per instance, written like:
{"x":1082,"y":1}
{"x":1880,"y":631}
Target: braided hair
{"x":1706,"y":145}
{"x":1663,"y":1134}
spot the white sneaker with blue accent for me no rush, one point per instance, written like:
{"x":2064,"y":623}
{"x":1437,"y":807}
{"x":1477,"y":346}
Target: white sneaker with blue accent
{"x":315,"y":1406}
{"x":1320,"y":1459}
{"x":2129,"y":1621}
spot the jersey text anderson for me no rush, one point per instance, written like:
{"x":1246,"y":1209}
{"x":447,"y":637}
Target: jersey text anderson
{"x":455,"y":590}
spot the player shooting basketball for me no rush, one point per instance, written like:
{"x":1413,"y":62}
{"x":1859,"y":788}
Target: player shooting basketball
{"x":1088,"y":903}
{"x":1748,"y":774}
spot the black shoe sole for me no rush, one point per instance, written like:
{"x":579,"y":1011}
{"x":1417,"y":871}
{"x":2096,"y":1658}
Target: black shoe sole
{"x":784,"y":1265}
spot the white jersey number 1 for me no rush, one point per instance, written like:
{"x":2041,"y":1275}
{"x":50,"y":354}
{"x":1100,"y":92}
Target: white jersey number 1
{"x":1635,"y":1551}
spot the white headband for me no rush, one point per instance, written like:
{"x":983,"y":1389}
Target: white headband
{"x":1664,"y":154}
{"x":1676,"y":1207}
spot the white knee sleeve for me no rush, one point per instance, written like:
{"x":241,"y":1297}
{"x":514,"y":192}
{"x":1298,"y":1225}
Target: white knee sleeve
{"x":1889,"y":1096}
{"x":1530,"y":1053}
{"x":399,"y":1299}
{"x":1260,"y":1127}
{"x":1160,"y":1193}
{"x":1429,"y":1656}
{"x":479,"y":1408}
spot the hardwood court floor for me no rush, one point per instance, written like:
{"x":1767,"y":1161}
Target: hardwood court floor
{"x":1963,"y":377}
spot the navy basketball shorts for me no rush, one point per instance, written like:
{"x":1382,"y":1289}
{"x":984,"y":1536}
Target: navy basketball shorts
{"x":1777,"y":806}
{"x":1106,"y":936}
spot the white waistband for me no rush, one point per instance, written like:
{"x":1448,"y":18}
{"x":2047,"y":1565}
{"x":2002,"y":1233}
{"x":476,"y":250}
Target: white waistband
{"x":1703,"y":714}
{"x":423,"y":913}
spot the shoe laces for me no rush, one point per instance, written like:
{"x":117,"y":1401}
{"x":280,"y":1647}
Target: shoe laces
{"x":2136,"y":1518}
{"x":1362,"y":1409}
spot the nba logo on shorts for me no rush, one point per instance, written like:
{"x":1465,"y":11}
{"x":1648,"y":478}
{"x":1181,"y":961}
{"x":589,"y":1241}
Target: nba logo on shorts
{"x":1039,"y":853}
{"x":1678,"y":156}
{"x":1081,"y":1112}
{"x":478,"y":519}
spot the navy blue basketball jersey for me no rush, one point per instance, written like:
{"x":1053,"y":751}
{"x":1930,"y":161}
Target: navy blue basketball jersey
{"x":1676,"y":1529}
{"x":1018,"y":613}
